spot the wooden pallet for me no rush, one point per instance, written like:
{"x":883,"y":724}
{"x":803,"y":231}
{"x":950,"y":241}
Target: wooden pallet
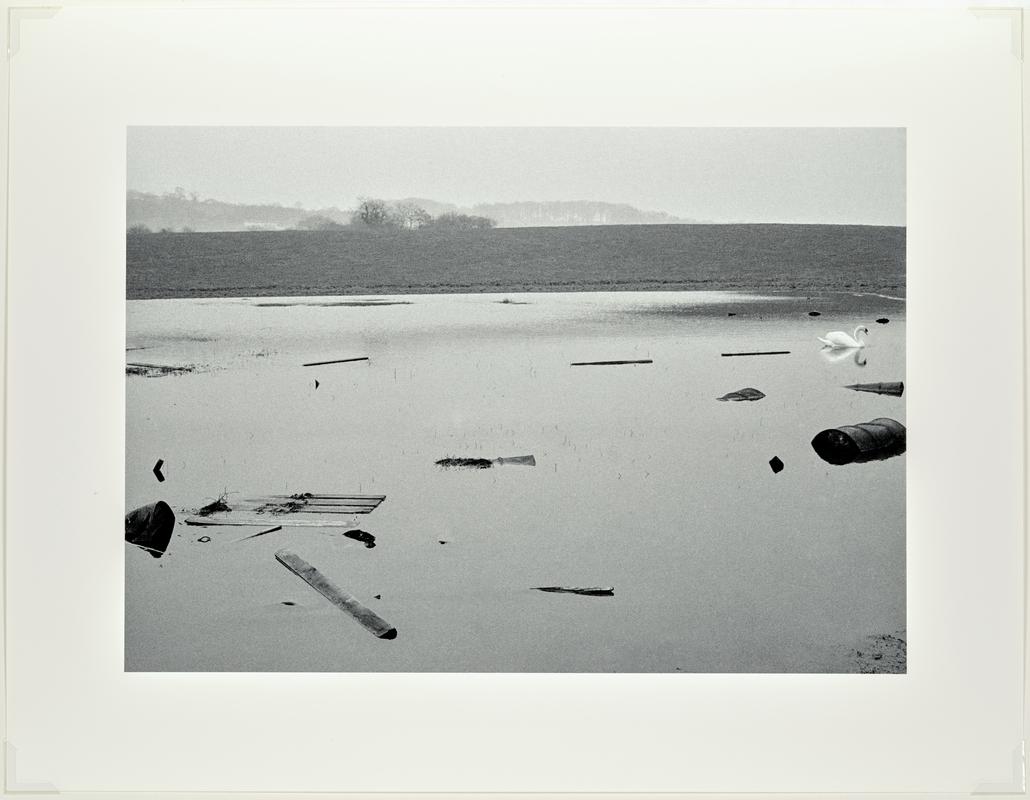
{"x":305,"y":510}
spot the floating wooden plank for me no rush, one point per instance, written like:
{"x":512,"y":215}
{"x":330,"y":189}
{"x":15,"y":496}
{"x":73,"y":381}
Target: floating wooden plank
{"x":371,"y":621}
{"x":760,"y":353}
{"x":894,"y":388}
{"x":335,"y":361}
{"x":593,"y":591}
{"x":296,"y":510}
{"x":609,"y":363}
{"x":454,"y":462}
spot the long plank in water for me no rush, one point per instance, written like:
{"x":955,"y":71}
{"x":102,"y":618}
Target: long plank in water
{"x":335,"y":595}
{"x":609,"y":363}
{"x":335,"y":361}
{"x":594,"y":591}
{"x":761,"y":353}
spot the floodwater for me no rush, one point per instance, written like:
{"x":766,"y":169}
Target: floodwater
{"x":643,"y":482}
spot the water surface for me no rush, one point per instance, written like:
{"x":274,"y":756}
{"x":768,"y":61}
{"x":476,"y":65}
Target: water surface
{"x":644,"y":482}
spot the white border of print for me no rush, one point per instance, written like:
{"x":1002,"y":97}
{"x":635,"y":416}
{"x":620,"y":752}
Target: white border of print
{"x":79,"y":75}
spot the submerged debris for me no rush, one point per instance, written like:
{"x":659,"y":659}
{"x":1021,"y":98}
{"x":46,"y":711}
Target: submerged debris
{"x":883,"y":654}
{"x":156,"y":370}
{"x":743,"y":394}
{"x":204,"y":539}
{"x":453,"y":462}
{"x":592,"y":591}
{"x":150,"y":527}
{"x":364,"y":537}
{"x":304,"y":509}
{"x":776,"y":464}
{"x":215,"y":507}
{"x":855,"y":444}
{"x":371,"y":621}
{"x":895,"y":389}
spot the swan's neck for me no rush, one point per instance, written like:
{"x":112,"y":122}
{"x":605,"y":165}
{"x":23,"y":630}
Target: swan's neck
{"x":859,"y":332}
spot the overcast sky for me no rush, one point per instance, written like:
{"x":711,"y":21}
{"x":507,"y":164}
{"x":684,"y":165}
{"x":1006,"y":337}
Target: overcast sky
{"x":830,"y":175}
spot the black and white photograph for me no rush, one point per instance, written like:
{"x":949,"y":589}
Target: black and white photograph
{"x":515,"y":399}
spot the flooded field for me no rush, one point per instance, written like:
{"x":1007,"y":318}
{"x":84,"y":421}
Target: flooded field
{"x":641,"y":481}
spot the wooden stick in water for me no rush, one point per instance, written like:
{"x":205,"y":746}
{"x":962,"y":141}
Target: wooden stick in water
{"x":339,"y":598}
{"x":260,"y":533}
{"x":337,"y":361}
{"x":608,"y":363}
{"x":762,"y":353}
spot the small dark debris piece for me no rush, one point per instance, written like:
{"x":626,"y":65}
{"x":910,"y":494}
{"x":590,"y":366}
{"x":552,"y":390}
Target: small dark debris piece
{"x":288,"y":603}
{"x":883,"y":320}
{"x":732,"y":314}
{"x":776,"y":464}
{"x":442,"y":541}
{"x":213,"y":508}
{"x":204,"y":539}
{"x":157,"y":470}
{"x":743,"y":394}
{"x":377,"y":596}
{"x":361,"y":536}
{"x":814,"y":314}
{"x":316,"y":384}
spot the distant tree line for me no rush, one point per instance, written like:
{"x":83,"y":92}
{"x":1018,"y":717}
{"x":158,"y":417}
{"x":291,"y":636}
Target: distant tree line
{"x":371,"y":213}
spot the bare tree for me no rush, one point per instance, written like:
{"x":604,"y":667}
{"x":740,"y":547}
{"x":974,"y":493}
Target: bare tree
{"x":411,"y":215}
{"x":371,"y":211}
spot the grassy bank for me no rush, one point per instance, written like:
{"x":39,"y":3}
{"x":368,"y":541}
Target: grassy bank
{"x":632,"y":257}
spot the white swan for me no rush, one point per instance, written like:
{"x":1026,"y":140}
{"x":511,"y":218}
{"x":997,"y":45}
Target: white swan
{"x":838,"y":339}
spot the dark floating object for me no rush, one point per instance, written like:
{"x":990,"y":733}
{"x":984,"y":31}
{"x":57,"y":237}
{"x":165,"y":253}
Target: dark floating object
{"x":316,"y":383}
{"x":204,"y":539}
{"x":442,"y":541}
{"x":157,"y":471}
{"x":592,"y":591}
{"x":316,"y":580}
{"x":743,"y":394}
{"x":336,"y":361}
{"x":377,"y":596}
{"x":288,"y":603}
{"x":155,"y":370}
{"x":452,"y":462}
{"x":150,"y":527}
{"x":896,"y":388}
{"x":761,"y":353}
{"x":776,"y":464}
{"x":364,"y":537}
{"x":883,"y":320}
{"x":854,"y":444}
{"x":465,"y":463}
{"x":814,"y":314}
{"x":609,"y":363}
{"x":732,"y":314}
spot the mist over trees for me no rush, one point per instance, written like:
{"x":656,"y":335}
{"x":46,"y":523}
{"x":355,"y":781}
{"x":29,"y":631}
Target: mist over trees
{"x":182,"y":211}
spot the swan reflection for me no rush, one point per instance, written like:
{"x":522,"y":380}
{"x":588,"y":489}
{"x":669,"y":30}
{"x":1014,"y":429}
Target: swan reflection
{"x":836,"y":354}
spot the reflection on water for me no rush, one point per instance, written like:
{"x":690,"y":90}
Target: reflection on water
{"x":835,"y":355}
{"x":642,"y":483}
